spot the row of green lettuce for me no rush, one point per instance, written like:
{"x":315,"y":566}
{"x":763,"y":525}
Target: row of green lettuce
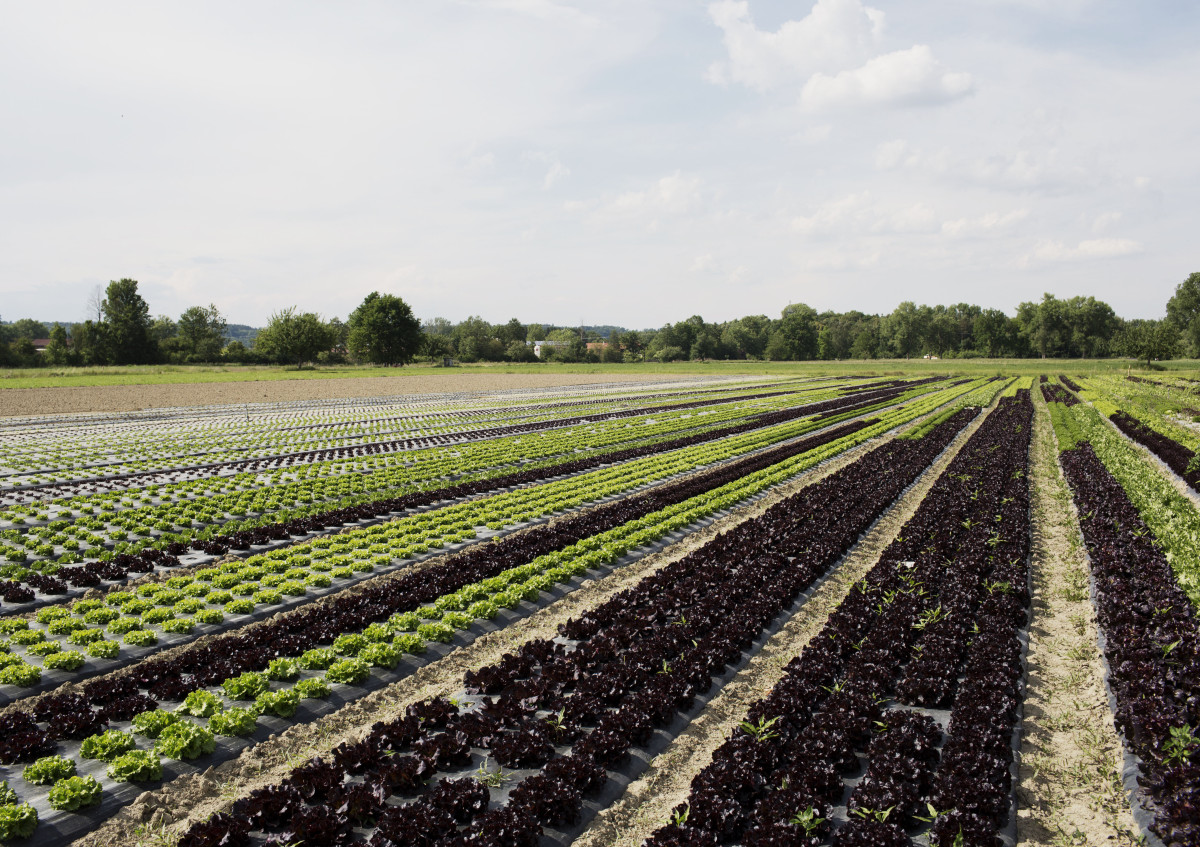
{"x":1171,"y":516}
{"x":234,"y":707}
{"x":62,"y":637}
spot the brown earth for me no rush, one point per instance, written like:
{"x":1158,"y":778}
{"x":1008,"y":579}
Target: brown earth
{"x":1069,"y":790}
{"x":129,"y":398}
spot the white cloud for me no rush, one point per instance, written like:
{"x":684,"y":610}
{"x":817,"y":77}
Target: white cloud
{"x":672,"y":194}
{"x":556,"y":171}
{"x":861,"y":214}
{"x":911,"y":77}
{"x":1105,"y":220}
{"x":891,"y":155}
{"x":836,"y":34}
{"x":989,"y":223}
{"x":1098,"y":248}
{"x":838,"y":260}
{"x":481,"y":163}
{"x":814,"y":134}
{"x":1021,"y":169}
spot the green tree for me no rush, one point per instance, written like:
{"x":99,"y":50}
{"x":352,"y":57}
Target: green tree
{"x":519,"y":351}
{"x":236,"y":352}
{"x":866,"y":339}
{"x":799,"y":331}
{"x":904,"y":329}
{"x":201,"y":334}
{"x":512,"y":331}
{"x":384,"y":331}
{"x":28,"y":328}
{"x":634,"y":344}
{"x":1183,"y":309}
{"x":58,"y":351}
{"x":23,"y":353}
{"x":127,"y":318}
{"x":1150,"y":340}
{"x":291,"y":337}
{"x":993,"y":331}
{"x":90,"y":340}
{"x":746,"y":338}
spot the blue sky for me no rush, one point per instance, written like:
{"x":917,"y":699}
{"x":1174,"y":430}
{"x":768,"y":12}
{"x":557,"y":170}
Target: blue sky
{"x":609,"y":162}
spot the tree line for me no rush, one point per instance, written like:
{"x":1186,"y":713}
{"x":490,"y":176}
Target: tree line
{"x":383,"y":330}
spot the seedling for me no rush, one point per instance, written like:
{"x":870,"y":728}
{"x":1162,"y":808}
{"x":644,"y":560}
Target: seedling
{"x":808,"y":820}
{"x":492,"y":779}
{"x":934,"y":814}
{"x":880,"y":815}
{"x":930,"y":617}
{"x":762,"y":730}
{"x":555,"y":722}
{"x":679,"y":816}
{"x":1180,"y":746}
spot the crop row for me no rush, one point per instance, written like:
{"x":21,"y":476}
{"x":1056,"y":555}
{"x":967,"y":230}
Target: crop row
{"x":362,"y":448}
{"x":662,"y":461}
{"x":935,"y":625}
{"x":164,"y":513}
{"x":1151,"y":644}
{"x":237,"y":588}
{"x":1171,"y":516}
{"x":574,"y":710}
{"x":1148,"y":625}
{"x":62,"y":447}
{"x":271,"y":639}
{"x":183,"y":601}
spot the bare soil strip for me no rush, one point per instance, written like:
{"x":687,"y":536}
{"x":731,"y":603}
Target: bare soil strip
{"x":1069,"y":789}
{"x":647,"y":802}
{"x":131,"y":398}
{"x":168,"y":811}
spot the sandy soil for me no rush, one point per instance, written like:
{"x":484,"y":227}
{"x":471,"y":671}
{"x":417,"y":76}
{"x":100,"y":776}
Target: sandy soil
{"x":1069,"y":789}
{"x":168,"y":811}
{"x":647,"y":802}
{"x":128,"y":398}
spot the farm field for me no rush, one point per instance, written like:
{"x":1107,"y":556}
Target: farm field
{"x":690,"y":607}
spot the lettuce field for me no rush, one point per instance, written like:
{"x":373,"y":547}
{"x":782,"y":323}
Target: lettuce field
{"x":841,"y":610}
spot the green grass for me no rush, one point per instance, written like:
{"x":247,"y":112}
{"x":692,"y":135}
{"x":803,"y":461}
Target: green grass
{"x":185,"y":374}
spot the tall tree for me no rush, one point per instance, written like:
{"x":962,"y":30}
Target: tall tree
{"x":799,"y":332}
{"x":384,"y":331}
{"x":127,"y":318}
{"x":993,"y":332}
{"x":58,"y":351}
{"x":201,"y":334}
{"x":90,"y":342}
{"x":1184,"y":310}
{"x":291,"y":337}
{"x":904,"y":329}
{"x":1149,"y":340}
{"x":28,"y":328}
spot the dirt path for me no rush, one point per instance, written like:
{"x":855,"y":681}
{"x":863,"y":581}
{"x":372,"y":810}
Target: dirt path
{"x":160,"y":815}
{"x":1069,"y":789}
{"x":647,"y":802}
{"x":129,"y":398}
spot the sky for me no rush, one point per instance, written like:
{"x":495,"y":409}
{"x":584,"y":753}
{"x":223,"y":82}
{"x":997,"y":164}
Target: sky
{"x":627,"y":162}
